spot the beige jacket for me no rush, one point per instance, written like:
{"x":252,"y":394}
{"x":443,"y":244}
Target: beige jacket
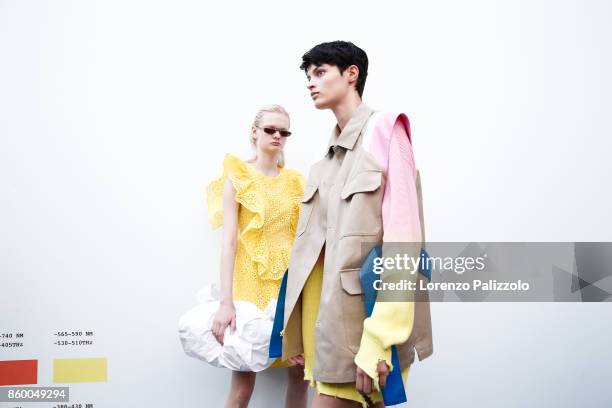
{"x":341,"y":209}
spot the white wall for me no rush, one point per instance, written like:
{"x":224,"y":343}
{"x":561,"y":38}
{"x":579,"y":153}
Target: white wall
{"x":115,"y":114}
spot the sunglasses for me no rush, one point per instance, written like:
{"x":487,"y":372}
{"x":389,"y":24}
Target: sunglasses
{"x":271,"y":131}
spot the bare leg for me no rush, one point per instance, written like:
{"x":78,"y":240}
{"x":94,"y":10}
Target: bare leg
{"x":241,"y":389}
{"x":297,"y":388}
{"x":326,"y":401}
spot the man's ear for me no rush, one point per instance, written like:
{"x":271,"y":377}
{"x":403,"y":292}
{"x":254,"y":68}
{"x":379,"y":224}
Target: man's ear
{"x":352,"y":74}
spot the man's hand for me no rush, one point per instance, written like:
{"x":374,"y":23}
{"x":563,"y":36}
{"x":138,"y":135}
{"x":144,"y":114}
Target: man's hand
{"x":364,"y":382}
{"x":297,"y":360}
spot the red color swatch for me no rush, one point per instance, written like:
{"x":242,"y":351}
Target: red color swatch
{"x":18,"y":372}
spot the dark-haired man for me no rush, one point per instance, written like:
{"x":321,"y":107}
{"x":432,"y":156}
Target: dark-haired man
{"x":365,"y":189}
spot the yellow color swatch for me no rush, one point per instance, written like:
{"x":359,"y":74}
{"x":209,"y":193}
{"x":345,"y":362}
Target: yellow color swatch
{"x":70,"y":370}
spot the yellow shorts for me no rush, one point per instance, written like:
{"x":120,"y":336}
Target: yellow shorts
{"x":311,"y":296}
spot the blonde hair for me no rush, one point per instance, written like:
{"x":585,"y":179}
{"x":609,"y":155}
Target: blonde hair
{"x":257,"y":122}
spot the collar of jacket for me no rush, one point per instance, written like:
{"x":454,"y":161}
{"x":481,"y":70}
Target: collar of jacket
{"x":348,"y":137}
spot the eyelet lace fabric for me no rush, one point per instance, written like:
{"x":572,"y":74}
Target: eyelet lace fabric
{"x":267,"y":220}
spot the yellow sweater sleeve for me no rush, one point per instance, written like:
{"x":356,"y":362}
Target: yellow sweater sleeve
{"x":390,"y":323}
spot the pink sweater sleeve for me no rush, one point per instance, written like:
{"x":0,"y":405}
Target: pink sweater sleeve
{"x":391,"y":322}
{"x":400,"y":202}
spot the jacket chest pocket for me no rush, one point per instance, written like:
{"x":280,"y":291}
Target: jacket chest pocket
{"x":306,"y":208}
{"x":362,"y":195}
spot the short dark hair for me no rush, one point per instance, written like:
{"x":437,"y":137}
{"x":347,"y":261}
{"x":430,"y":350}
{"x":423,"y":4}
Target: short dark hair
{"x":342,"y":54}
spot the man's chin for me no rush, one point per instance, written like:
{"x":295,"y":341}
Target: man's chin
{"x":320,"y":104}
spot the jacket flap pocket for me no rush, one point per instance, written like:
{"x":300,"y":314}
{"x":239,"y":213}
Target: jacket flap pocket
{"x":309,"y":192}
{"x":349,"y":278}
{"x":365,"y":181}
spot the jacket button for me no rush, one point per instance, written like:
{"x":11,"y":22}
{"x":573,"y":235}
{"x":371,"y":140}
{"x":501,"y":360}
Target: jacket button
{"x":282,"y":332}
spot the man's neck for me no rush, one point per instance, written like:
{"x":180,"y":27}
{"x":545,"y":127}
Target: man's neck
{"x":344,"y":110}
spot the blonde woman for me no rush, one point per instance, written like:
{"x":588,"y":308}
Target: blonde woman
{"x":258,"y":203}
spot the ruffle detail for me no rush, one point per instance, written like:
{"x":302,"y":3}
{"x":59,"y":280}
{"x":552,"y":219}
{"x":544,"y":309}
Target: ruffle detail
{"x":298,"y":183}
{"x":214,"y":201}
{"x":252,"y":235}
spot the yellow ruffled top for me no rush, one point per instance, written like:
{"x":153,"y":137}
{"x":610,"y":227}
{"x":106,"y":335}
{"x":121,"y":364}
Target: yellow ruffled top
{"x":267,"y":220}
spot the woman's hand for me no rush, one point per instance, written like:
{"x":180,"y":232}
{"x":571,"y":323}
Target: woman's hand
{"x":226,"y":315}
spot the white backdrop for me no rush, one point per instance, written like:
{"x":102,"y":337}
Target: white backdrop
{"x":114,"y":115}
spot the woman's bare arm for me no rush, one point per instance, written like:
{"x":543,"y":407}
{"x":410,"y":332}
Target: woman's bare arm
{"x":226,"y":315}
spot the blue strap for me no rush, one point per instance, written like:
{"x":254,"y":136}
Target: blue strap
{"x":276,"y":340}
{"x":393,"y":393}
{"x":425,"y":272}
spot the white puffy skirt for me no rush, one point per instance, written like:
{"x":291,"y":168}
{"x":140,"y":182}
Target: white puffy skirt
{"x":244,"y":350}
